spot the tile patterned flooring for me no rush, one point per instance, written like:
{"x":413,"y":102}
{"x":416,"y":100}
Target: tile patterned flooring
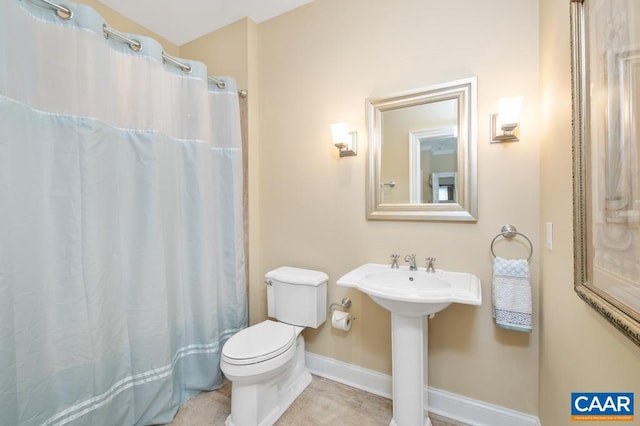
{"x":324,"y":402}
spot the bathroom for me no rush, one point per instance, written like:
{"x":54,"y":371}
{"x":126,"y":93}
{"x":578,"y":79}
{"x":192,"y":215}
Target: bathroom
{"x":315,"y":65}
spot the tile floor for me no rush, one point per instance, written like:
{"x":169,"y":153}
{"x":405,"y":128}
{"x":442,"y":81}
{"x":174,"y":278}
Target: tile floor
{"x":324,"y":402}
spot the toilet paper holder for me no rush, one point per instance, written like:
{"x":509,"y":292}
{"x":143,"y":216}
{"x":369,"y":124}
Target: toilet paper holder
{"x":345,"y":303}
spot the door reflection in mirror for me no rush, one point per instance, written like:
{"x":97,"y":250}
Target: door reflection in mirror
{"x":433,"y":163}
{"x":416,"y":142}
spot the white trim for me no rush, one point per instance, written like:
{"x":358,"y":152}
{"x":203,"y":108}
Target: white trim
{"x":349,"y":374}
{"x":474,"y":412}
{"x":447,"y":404}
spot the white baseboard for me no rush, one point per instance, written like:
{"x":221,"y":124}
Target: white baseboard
{"x":349,"y":374}
{"x":443,"y":403}
{"x":475,"y":412}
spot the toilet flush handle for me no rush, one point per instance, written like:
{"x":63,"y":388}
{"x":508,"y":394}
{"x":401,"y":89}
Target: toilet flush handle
{"x":268,"y":282}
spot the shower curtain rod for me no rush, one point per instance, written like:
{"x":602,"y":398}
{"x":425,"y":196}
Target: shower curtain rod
{"x":65,"y":14}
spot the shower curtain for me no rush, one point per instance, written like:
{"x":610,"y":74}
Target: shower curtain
{"x":121,"y":238}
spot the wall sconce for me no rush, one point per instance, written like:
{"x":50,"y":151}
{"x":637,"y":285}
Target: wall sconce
{"x":344,"y":140}
{"x":505,"y":125}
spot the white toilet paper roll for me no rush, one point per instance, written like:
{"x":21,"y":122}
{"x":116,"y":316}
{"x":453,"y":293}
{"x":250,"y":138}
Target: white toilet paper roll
{"x":341,"y":320}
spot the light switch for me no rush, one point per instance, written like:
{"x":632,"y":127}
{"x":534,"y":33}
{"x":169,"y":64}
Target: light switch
{"x":549,"y":236}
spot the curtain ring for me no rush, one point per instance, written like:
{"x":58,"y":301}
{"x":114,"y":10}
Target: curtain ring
{"x":61,"y":11}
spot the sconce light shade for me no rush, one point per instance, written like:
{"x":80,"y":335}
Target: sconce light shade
{"x":505,"y":125}
{"x":344,"y":140}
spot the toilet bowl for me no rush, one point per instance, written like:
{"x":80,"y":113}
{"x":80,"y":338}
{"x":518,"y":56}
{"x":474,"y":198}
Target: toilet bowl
{"x":264,"y":385}
{"x":265,"y":362}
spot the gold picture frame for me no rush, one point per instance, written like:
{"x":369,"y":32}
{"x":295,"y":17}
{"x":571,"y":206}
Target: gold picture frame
{"x":606,"y":160}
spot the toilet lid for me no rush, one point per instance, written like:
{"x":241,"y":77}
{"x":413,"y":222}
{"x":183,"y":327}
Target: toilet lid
{"x":259,"y":342}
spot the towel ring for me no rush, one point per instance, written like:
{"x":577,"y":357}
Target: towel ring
{"x":510,"y":231}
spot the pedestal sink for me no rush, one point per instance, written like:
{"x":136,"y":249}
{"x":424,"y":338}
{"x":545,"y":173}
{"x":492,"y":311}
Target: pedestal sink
{"x":410,"y":296}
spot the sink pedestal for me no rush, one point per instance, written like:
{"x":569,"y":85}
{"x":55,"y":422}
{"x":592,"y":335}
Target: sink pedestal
{"x":408,"y":337}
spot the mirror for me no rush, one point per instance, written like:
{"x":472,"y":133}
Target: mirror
{"x":422,"y":154}
{"x":606,"y":144}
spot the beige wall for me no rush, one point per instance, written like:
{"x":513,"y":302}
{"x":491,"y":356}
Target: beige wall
{"x":225,"y":52}
{"x":317,"y":64}
{"x":579,"y":350}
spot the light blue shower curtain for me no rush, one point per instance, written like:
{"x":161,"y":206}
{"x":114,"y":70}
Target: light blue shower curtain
{"x":121,"y":238}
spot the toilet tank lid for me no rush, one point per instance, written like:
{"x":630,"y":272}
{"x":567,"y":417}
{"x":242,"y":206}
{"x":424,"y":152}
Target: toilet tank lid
{"x":291,"y":275}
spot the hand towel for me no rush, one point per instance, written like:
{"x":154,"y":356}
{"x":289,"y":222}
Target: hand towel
{"x":511,"y":294}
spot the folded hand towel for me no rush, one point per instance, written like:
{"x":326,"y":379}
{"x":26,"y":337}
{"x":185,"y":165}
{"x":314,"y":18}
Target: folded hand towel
{"x":511,"y":294}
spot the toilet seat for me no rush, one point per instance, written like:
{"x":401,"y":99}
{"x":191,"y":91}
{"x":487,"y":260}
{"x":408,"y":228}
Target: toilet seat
{"x":259,"y":343}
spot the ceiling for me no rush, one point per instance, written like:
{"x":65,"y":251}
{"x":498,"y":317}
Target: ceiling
{"x":183,"y":21}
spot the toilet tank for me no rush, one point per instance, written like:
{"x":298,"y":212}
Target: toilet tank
{"x":297,"y":296}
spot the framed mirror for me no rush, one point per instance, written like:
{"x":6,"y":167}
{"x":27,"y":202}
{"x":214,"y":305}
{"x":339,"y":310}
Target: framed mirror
{"x":606,"y":142}
{"x":422,"y":154}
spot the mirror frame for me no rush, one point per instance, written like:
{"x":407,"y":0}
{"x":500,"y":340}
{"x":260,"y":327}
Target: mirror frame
{"x":466,"y":207}
{"x":624,"y":318}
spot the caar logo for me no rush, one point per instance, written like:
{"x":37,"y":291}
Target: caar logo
{"x":602,"y":406}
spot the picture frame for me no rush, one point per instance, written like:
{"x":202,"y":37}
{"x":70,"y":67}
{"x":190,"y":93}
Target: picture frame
{"x":606,"y":160}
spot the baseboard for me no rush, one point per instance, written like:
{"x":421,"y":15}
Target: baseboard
{"x":447,"y":404}
{"x":475,"y":412}
{"x":349,"y":374}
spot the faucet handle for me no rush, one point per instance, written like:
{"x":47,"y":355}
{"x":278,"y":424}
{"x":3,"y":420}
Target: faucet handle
{"x":394,"y":261}
{"x":430,"y":261}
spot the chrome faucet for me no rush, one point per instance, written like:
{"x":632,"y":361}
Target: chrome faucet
{"x":430,"y":261}
{"x":411,"y":259}
{"x":394,"y":261}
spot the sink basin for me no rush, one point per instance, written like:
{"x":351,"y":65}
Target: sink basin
{"x":413,"y":293}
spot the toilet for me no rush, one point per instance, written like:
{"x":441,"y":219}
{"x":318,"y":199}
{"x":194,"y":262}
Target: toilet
{"x":265,"y":362}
